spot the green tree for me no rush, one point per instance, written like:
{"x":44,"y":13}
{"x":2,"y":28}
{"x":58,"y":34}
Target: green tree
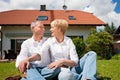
{"x":100,"y":42}
{"x":110,"y":28}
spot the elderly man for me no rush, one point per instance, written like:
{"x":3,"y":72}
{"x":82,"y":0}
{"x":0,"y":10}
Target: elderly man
{"x":35,"y":70}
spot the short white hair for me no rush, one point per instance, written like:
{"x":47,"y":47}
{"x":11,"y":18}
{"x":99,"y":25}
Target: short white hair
{"x":33,"y":24}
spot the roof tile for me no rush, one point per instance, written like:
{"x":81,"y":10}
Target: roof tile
{"x":27,"y":16}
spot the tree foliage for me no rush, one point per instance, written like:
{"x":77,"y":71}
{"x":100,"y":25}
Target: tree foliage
{"x":100,"y":42}
{"x":110,"y":28}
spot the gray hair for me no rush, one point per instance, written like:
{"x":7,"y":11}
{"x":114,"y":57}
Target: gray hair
{"x":33,"y":24}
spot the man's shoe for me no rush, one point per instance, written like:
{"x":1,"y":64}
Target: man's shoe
{"x":9,"y":78}
{"x":18,"y":77}
{"x":14,"y":78}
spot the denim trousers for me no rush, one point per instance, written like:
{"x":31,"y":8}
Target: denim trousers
{"x":40,"y":73}
{"x":86,"y":68}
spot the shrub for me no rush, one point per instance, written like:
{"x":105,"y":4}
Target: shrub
{"x":100,"y":42}
{"x":80,"y":46}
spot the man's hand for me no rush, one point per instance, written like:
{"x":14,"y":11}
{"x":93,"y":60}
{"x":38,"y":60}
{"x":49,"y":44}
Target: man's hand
{"x":24,"y":74}
{"x":24,"y":65}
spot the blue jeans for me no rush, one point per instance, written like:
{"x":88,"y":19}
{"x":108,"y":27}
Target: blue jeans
{"x":38,"y":73}
{"x":66,"y":75}
{"x":86,"y":68}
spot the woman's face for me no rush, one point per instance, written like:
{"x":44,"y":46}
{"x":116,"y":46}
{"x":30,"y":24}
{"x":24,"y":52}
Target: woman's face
{"x":54,"y":31}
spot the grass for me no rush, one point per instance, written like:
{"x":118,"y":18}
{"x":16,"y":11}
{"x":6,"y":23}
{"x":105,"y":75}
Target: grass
{"x":107,"y":69}
{"x":7,"y":69}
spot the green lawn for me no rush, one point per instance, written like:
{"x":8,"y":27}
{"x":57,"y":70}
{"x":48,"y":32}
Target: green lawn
{"x":7,"y":69}
{"x":107,"y":69}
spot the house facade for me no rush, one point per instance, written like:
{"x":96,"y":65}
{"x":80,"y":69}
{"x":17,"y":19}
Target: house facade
{"x":15,"y":24}
{"x":116,"y":43}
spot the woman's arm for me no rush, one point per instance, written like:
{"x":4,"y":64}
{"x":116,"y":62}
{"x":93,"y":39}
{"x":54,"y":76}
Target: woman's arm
{"x":62,"y":63}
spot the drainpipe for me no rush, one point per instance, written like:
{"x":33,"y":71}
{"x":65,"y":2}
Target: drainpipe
{"x":1,"y":41}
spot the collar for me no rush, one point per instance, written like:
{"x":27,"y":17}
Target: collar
{"x":63,"y":42}
{"x":37,"y":41}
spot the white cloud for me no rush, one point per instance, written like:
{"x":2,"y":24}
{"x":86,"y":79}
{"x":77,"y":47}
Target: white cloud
{"x":4,"y":6}
{"x":103,"y":9}
{"x":111,"y":17}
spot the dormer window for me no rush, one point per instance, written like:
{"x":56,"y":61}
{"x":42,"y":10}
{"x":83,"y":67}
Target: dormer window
{"x":71,"y":18}
{"x":42,"y":18}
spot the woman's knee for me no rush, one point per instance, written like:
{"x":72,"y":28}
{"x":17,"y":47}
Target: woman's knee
{"x":65,"y":75}
{"x":92,"y":53}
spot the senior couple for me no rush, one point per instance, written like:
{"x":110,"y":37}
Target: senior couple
{"x":44,"y":59}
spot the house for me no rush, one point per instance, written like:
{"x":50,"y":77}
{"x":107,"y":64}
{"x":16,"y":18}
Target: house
{"x":116,"y":44}
{"x":16,"y":24}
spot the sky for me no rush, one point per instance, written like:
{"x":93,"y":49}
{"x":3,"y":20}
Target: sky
{"x":106,"y":10}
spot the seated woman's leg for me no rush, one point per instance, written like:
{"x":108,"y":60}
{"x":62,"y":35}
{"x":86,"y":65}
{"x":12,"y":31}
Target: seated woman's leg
{"x":66,"y":75}
{"x":87,"y":66}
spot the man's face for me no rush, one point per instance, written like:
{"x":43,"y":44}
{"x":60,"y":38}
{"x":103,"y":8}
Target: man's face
{"x":39,"y":29}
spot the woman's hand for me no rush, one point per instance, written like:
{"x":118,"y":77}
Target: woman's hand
{"x":56,"y":64}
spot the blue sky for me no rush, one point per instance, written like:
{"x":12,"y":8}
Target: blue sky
{"x":117,"y":8}
{"x":106,"y":10}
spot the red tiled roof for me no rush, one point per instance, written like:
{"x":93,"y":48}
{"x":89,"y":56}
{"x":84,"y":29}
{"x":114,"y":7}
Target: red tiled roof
{"x":27,"y":16}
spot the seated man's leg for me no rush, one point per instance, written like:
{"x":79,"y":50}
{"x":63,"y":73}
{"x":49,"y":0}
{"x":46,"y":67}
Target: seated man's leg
{"x":87,"y":66}
{"x":33,"y":74}
{"x":23,"y":79}
{"x":50,"y":73}
{"x":66,"y":75}
{"x":38,"y":73}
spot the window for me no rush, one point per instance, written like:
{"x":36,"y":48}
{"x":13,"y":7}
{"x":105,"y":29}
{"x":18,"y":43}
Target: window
{"x":16,"y":44}
{"x":71,"y":18}
{"x":76,"y":36}
{"x":42,"y":18}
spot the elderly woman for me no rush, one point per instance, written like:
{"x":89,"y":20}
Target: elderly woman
{"x":64,"y":57}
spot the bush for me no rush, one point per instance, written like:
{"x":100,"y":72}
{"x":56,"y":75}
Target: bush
{"x":80,"y":46}
{"x":100,"y":42}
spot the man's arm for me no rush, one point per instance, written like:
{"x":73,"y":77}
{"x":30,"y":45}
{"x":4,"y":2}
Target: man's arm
{"x":26,"y":63}
{"x":34,"y":57}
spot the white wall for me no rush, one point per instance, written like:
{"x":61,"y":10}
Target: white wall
{"x":5,"y":44}
{"x":79,"y":31}
{"x":24,"y":32}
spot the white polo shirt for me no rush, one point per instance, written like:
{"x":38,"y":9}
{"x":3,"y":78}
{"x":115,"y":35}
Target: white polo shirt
{"x":28,"y":48}
{"x":63,"y":50}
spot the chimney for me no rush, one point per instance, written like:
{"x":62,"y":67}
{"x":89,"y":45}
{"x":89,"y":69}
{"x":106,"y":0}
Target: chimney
{"x":42,"y":7}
